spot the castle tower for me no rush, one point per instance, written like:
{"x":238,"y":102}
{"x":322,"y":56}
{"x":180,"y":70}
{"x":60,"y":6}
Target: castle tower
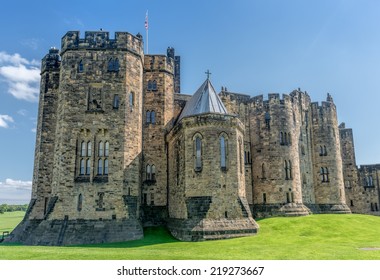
{"x":44,"y":149}
{"x":303,"y":101}
{"x":157,"y":122}
{"x":177,"y":69}
{"x":350,"y":171}
{"x":206,"y":172}
{"x":43,"y":161}
{"x":95,"y":186}
{"x":327,"y":159}
{"x":276,"y":164}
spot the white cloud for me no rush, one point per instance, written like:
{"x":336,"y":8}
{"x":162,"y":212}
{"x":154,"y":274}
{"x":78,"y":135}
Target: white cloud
{"x":5,"y":120}
{"x":34,"y":130}
{"x":22,"y":112}
{"x":21,"y":75}
{"x":15,"y":191}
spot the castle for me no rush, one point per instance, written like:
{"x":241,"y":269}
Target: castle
{"x":119,"y":148}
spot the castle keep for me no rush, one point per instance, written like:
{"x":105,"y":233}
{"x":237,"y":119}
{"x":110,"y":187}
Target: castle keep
{"x":119,"y":147}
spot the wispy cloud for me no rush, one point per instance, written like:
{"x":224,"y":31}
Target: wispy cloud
{"x":15,"y":191}
{"x":5,"y":120}
{"x":21,"y":75}
{"x":22,"y":112}
{"x":32,"y":43}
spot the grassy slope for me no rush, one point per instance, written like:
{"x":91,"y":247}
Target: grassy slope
{"x":311,"y":237}
{"x":9,"y":220}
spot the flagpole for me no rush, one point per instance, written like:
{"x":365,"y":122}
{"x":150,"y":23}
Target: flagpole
{"x":147,"y":32}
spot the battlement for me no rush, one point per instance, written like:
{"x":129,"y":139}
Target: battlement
{"x":369,"y":167}
{"x":158,"y":62}
{"x":94,"y":40}
{"x":51,"y":61}
{"x":273,"y":99}
{"x":239,"y":97}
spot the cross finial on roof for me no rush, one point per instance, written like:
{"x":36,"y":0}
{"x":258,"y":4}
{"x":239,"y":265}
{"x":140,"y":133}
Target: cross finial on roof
{"x":208,"y":73}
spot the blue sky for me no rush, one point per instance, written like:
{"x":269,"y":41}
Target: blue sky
{"x":250,"y":46}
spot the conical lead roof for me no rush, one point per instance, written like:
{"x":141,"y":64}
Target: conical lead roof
{"x":204,"y":100}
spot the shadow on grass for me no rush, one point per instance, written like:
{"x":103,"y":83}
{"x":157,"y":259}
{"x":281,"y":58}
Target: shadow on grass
{"x":152,"y":236}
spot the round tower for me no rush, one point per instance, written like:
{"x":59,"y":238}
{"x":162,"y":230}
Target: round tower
{"x":275,"y":152}
{"x":206,"y":172}
{"x":327,"y":159}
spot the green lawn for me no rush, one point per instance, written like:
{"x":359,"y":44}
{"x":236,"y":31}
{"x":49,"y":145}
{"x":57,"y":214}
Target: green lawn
{"x":315,"y":237}
{"x":9,"y":220}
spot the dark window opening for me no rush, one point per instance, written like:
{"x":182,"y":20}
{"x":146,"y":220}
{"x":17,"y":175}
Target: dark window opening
{"x":116,"y":101}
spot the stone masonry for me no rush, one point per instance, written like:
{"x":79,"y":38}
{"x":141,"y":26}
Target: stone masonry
{"x":119,"y":147}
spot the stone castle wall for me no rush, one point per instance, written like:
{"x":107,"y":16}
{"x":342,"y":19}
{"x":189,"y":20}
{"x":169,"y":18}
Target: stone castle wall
{"x":111,"y":156}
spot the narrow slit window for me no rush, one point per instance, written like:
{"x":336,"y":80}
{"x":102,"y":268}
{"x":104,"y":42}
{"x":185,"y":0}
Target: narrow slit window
{"x":222,"y":152}
{"x":107,"y":149}
{"x":82,"y":168}
{"x":106,"y":167}
{"x":101,"y":149}
{"x":88,"y":167}
{"x":83,"y":149}
{"x":89,"y":148}
{"x":100,"y":167}
{"x":198,"y":153}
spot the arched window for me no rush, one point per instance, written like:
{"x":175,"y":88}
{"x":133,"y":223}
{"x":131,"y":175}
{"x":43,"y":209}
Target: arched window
{"x":107,"y":149}
{"x":89,"y":148}
{"x":148,"y":172}
{"x":267,"y":120}
{"x":303,"y":179}
{"x":324,"y":174}
{"x":110,"y":67}
{"x":150,"y":85}
{"x":321,"y":152}
{"x":263,"y":172}
{"x":116,"y":101}
{"x":131,"y":100}
{"x":88,"y":167}
{"x":281,"y":138}
{"x":116,"y":65}
{"x":80,"y":67}
{"x":153,"y":176}
{"x":303,"y":150}
{"x":288,"y":170}
{"x":80,"y":201}
{"x":240,"y":155}
{"x":101,"y":149}
{"x":223,"y":156}
{"x":285,"y":138}
{"x":106,"y":167}
{"x":82,"y":167}
{"x":324,"y":151}
{"x":83,"y":149}
{"x":198,"y":153}
{"x":153,"y":117}
{"x":148,"y":117}
{"x":100,"y":167}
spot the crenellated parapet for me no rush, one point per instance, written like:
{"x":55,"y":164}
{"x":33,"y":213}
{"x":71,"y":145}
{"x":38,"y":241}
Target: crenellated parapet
{"x":97,"y":40}
{"x":161,"y":63}
{"x":51,"y":61}
{"x":324,"y":112}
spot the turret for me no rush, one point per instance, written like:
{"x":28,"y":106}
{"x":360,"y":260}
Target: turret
{"x":327,"y":159}
{"x":275,"y":153}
